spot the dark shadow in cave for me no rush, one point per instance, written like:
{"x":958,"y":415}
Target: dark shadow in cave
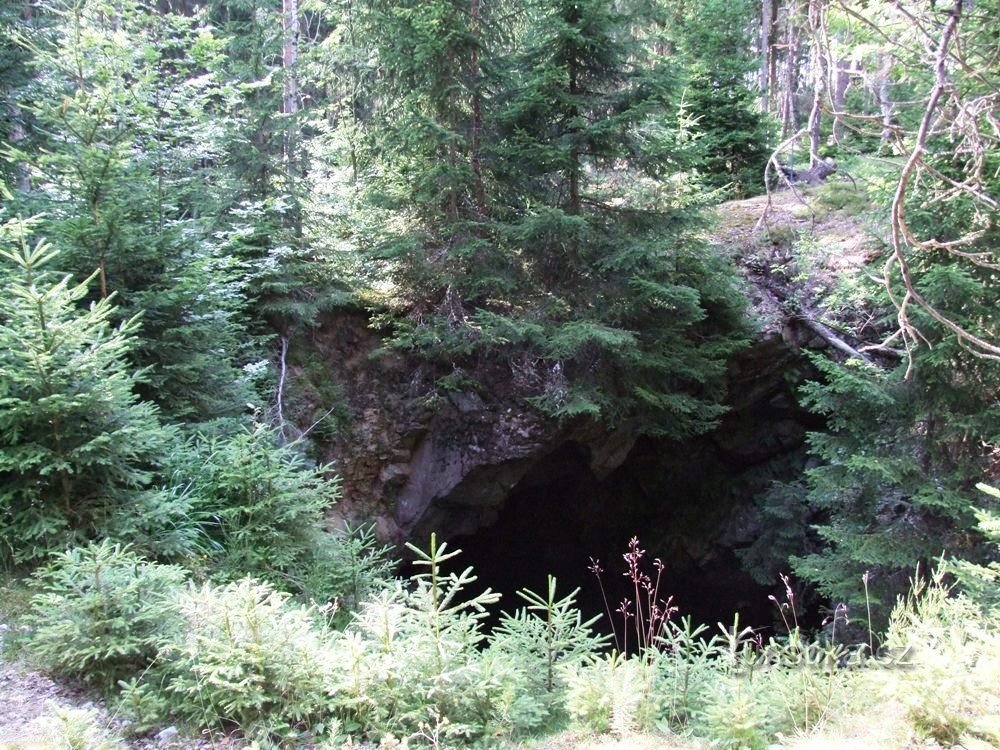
{"x":561,"y":515}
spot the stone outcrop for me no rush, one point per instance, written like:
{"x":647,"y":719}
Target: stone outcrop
{"x":442,"y":463}
{"x":477,"y":466}
{"x":416,"y":459}
{"x":447,"y":463}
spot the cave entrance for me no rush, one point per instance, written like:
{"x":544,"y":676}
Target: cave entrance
{"x":681,"y":501}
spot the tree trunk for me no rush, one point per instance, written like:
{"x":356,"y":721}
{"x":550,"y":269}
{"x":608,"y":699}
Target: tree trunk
{"x":884,"y":100}
{"x":290,"y":85}
{"x":768,"y":19}
{"x":290,"y":105}
{"x":789,"y":123}
{"x":816,"y":21}
{"x":22,"y":176}
{"x":290,"y":56}
{"x":478,"y":191}
{"x":841,"y":82}
{"x":574,"y":166}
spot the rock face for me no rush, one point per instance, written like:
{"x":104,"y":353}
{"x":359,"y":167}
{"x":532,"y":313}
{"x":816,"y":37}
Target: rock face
{"x":415,"y":463}
{"x":476,"y":466}
{"x":446,"y":464}
{"x":450,"y":463}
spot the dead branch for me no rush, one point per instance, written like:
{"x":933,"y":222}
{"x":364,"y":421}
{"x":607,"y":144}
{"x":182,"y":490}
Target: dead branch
{"x":901,"y":234}
{"x":281,"y":388}
{"x":833,"y":340}
{"x":773,"y":162}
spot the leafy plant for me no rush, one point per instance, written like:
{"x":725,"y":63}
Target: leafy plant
{"x":892,"y":485}
{"x":981,"y":583}
{"x":734,"y":719}
{"x":101,"y":612}
{"x":609,"y":693}
{"x":348,"y":566}
{"x":688,"y":670}
{"x":125,"y":167}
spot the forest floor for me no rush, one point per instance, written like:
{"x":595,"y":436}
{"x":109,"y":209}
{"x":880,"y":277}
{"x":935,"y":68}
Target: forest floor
{"x":795,"y":247}
{"x":37,"y":713}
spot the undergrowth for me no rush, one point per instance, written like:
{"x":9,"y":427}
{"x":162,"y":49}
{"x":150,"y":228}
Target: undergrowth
{"x":413,"y":665}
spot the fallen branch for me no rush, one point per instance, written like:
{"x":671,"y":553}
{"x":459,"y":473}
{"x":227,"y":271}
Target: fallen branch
{"x":833,"y":340}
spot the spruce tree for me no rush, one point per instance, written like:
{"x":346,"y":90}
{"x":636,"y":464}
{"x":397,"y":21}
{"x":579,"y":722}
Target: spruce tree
{"x":76,"y":443}
{"x":125,"y":169}
{"x":637,"y":318}
{"x":907,"y":445}
{"x":711,"y":39}
{"x":426,"y":142}
{"x":521,"y":212}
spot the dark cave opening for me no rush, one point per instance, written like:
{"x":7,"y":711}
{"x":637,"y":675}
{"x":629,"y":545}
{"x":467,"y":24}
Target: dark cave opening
{"x":561,"y":517}
{"x":692,"y":503}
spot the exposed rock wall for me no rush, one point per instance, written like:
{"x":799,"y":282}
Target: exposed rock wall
{"x":416,"y":463}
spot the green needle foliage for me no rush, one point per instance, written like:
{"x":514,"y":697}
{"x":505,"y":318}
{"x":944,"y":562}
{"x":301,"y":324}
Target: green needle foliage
{"x":261,"y":508}
{"x":124,"y":161}
{"x":535,"y":646}
{"x":413,"y":659}
{"x":251,"y":657}
{"x":731,"y":138}
{"x":101,"y":612}
{"x":538,"y":221}
{"x":76,"y":443}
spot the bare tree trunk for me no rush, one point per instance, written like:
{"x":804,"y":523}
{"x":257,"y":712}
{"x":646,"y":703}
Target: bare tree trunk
{"x":791,"y":79}
{"x":22,"y":179}
{"x":478,"y":191}
{"x":290,"y":104}
{"x":841,"y":82}
{"x":816,"y":21}
{"x":290,"y":56}
{"x":290,"y":85}
{"x":768,"y":20}
{"x":884,"y":100}
{"x":574,"y":157}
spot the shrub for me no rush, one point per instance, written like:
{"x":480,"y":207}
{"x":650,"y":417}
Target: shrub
{"x":734,"y":720}
{"x":76,"y":443}
{"x":347,"y":565}
{"x":953,"y":657}
{"x":802,"y":684}
{"x":69,"y":728}
{"x":260,"y":506}
{"x":413,"y":664}
{"x":100,"y":612}
{"x":688,"y":669}
{"x":248,"y":655}
{"x":530,"y":651}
